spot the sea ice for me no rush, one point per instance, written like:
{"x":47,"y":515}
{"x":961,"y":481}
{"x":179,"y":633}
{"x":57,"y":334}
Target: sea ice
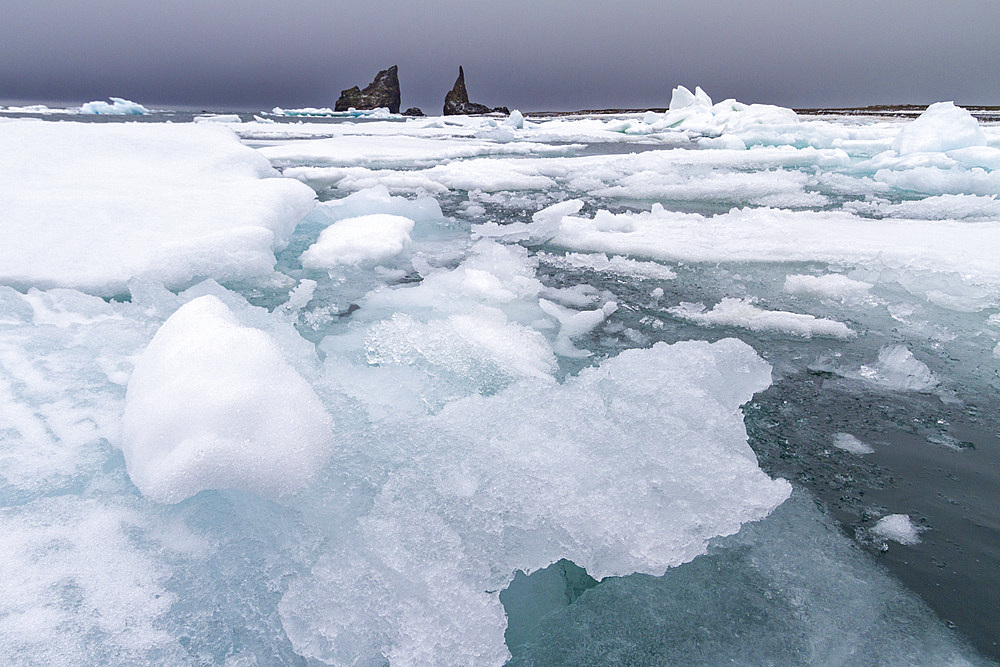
{"x":118,"y":107}
{"x":898,"y":369}
{"x":99,"y":204}
{"x":367,"y":238}
{"x":898,"y":528}
{"x":630,"y":466}
{"x":213,"y":404}
{"x":742,"y":313}
{"x":829,"y":286}
{"x":850,"y":443}
{"x":942,"y":127}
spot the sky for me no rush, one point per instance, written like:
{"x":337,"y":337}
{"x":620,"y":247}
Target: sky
{"x":528,"y":54}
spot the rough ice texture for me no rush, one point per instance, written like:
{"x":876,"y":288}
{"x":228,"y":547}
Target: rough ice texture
{"x":898,"y":528}
{"x":942,"y":127}
{"x":99,"y":203}
{"x":213,"y":404}
{"x":850,"y":443}
{"x":632,"y":466}
{"x":742,"y":313}
{"x":76,"y":586}
{"x":367,"y":238}
{"x":616,"y":264}
{"x":117,"y":107}
{"x":770,"y":235}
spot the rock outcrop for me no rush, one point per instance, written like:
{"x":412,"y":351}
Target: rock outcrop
{"x":382,"y":92}
{"x":456,"y":102}
{"x":413,"y":111}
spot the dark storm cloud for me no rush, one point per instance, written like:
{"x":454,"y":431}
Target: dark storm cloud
{"x":526,"y":54}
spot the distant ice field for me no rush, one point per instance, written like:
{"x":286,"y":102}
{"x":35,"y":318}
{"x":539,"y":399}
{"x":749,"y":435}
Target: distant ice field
{"x":719,"y":384}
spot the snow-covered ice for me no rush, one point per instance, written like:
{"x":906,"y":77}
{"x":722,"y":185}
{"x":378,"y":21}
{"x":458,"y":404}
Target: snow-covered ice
{"x":213,"y":404}
{"x":100,"y":204}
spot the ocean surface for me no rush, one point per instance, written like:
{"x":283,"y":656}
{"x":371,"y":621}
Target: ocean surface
{"x":717,"y":383}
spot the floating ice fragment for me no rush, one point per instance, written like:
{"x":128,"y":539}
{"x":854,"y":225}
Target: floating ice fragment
{"x":899,"y":528}
{"x":898,"y":369}
{"x":118,"y":107}
{"x":574,"y":324}
{"x":213,"y":404}
{"x":742,"y":313}
{"x":942,"y":127}
{"x":616,"y":264}
{"x":368,"y":238}
{"x":515,"y":120}
{"x":830,"y":286}
{"x":850,"y":443}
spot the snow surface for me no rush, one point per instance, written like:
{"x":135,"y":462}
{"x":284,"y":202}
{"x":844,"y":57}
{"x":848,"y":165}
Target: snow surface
{"x":99,"y":204}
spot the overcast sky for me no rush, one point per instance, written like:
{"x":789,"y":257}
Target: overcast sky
{"x":527,"y":54}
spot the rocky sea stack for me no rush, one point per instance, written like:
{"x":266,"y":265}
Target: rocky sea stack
{"x":456,"y":102}
{"x":382,"y":92}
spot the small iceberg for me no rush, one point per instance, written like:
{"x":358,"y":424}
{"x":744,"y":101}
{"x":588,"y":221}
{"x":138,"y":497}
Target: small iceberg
{"x":118,"y":107}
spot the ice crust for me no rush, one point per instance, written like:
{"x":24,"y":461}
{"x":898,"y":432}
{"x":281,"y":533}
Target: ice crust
{"x":213,"y":404}
{"x":99,"y":204}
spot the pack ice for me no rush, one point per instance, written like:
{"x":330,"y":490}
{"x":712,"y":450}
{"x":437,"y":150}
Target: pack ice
{"x":242,"y":426}
{"x":98,"y":204}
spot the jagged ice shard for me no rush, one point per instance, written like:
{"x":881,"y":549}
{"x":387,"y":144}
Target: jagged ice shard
{"x":575,"y":390}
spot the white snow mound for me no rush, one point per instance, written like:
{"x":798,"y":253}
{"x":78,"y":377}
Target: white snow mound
{"x":214,"y":405}
{"x":367,"y":238}
{"x":942,"y":127}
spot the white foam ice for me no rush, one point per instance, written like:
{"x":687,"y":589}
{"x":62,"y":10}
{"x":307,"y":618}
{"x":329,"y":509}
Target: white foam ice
{"x":393,"y":152}
{"x":213,"y":404}
{"x":76,"y":586}
{"x":743,"y":313}
{"x":101,"y":203}
{"x":118,"y":107}
{"x":898,"y":528}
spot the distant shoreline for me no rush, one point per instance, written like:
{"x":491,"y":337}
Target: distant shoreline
{"x":885,"y":110}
